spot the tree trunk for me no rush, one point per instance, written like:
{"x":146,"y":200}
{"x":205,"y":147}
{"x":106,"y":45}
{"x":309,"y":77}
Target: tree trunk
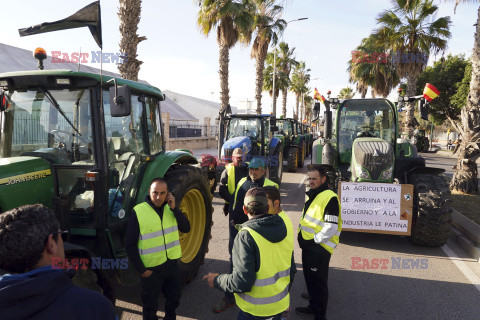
{"x":129,"y":16}
{"x":409,"y":120}
{"x":465,"y":178}
{"x":274,"y":106}
{"x":284,"y":102}
{"x":223,"y":62}
{"x":259,"y":79}
{"x":297,"y":100}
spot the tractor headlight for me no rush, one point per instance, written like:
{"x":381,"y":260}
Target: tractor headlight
{"x":387,"y":174}
{"x":362,"y":172}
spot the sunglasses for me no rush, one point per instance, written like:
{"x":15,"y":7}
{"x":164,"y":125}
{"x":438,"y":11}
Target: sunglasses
{"x":63,"y":234}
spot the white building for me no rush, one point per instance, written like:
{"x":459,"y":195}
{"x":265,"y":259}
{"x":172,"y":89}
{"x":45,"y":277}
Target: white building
{"x":199,"y":108}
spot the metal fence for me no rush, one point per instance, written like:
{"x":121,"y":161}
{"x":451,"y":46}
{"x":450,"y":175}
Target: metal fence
{"x":179,"y":129}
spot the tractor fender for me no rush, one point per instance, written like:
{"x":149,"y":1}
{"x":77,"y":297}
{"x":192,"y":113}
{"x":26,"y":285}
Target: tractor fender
{"x":423,"y":170}
{"x":275,"y":144}
{"x":160,"y":165}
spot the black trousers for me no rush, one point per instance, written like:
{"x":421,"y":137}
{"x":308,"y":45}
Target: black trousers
{"x":315,"y":260}
{"x":167,"y":280}
{"x":232,"y":233}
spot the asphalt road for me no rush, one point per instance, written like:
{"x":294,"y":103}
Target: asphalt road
{"x":435,"y":289}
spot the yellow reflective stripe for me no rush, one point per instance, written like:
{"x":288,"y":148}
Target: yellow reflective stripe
{"x":306,"y":229}
{"x":330,"y":244}
{"x":231,"y":178}
{"x":172,"y":244}
{"x":150,"y":235}
{"x":151,"y":250}
{"x":273,"y":279}
{"x":170,"y":230}
{"x":265,"y":300}
{"x":316,"y":221}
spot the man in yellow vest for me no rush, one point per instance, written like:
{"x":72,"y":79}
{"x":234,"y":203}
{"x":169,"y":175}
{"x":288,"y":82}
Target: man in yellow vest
{"x":153,"y":248}
{"x":318,"y":235}
{"x":263,"y":266}
{"x":230,"y":177}
{"x":255,"y":178}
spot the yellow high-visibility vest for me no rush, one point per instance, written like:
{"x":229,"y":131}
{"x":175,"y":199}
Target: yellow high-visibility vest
{"x":313,"y":220}
{"x":159,"y":238}
{"x":266,"y":182}
{"x":269,"y":295}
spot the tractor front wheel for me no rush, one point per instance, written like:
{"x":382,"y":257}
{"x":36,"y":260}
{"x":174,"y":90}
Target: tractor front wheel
{"x":193,"y":198}
{"x":432,"y":211}
{"x":292,"y":159}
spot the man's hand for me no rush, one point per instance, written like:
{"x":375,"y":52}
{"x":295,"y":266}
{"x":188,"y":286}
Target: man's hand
{"x":146,"y":274}
{"x":171,"y":200}
{"x":210,"y":277}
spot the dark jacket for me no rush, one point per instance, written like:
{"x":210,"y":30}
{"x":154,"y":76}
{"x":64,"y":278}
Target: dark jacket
{"x":47,"y":293}
{"x":240,"y":172}
{"x":133,"y":233}
{"x":246,"y":255}
{"x":236,"y":213}
{"x":332,"y":209}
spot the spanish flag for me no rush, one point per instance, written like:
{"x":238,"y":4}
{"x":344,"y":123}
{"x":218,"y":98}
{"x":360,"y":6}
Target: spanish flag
{"x":316,"y":95}
{"x":322,"y":99}
{"x":430,"y":92}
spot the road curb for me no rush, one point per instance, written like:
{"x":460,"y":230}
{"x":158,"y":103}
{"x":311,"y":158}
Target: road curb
{"x":466,"y":233}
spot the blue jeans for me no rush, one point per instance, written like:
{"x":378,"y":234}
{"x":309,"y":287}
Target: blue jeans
{"x":247,"y":316}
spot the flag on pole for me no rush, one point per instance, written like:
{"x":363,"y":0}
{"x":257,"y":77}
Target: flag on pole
{"x":322,"y":99}
{"x":430,"y":92}
{"x":316,"y":95}
{"x":88,"y":16}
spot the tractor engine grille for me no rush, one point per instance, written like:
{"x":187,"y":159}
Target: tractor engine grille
{"x":375,"y":155}
{"x":227,"y":154}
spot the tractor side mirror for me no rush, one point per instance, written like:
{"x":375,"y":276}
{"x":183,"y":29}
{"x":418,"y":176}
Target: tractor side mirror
{"x":3,"y":101}
{"x":274,"y":128}
{"x":273,"y":122}
{"x":423,"y":107}
{"x":120,"y":99}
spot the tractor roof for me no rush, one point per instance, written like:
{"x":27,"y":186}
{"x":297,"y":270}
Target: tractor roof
{"x":18,"y":79}
{"x":248,"y":115}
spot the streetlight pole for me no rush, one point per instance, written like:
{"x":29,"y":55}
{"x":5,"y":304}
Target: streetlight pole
{"x":275,"y":62}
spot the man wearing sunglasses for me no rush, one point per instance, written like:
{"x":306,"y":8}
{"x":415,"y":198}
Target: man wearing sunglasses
{"x":30,"y":239}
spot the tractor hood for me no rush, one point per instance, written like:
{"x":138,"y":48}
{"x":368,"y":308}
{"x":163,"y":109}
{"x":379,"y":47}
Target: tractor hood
{"x":25,"y":180}
{"x":238,"y":142}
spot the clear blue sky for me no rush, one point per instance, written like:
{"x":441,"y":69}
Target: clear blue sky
{"x":177,"y":57}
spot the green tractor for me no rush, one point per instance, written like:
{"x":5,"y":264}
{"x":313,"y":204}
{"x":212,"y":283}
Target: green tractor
{"x":360,"y":145}
{"x":88,"y":146}
{"x":307,"y":132}
{"x":294,"y":145}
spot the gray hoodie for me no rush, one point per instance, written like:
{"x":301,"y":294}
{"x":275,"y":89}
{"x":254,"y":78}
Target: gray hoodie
{"x":246,"y":255}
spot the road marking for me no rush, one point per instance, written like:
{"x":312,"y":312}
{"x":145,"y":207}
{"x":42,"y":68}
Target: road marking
{"x":474,"y":279}
{"x":303,"y":181}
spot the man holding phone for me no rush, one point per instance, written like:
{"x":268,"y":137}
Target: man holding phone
{"x":153,"y":247}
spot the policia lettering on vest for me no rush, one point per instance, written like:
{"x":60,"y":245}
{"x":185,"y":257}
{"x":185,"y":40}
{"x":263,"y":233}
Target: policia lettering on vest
{"x":153,"y":247}
{"x":318,"y":234}
{"x":263,"y":265}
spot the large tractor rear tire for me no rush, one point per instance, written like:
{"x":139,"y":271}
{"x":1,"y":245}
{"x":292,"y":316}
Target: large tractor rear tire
{"x":193,"y":197}
{"x":301,"y":154}
{"x":432,"y":211}
{"x":292,"y":159}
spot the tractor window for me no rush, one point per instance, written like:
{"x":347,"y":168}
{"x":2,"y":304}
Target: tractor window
{"x":154,"y":126}
{"x":364,"y":118}
{"x":52,"y":124}
{"x":285,"y":126}
{"x":244,"y":127}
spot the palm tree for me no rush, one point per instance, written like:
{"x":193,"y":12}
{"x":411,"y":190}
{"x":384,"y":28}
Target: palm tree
{"x":300,"y":79}
{"x":307,"y":105}
{"x":412,"y":33}
{"x":465,"y":177}
{"x":266,"y":28}
{"x":286,"y":61}
{"x":231,"y":19}
{"x":346,"y":93}
{"x":129,"y":16}
{"x":369,"y":67}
